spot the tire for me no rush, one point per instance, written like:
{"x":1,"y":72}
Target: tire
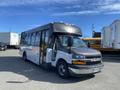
{"x":91,"y":75}
{"x":24,"y":56}
{"x":62,"y":69}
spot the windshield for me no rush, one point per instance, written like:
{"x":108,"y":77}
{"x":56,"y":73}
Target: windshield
{"x":77,"y":42}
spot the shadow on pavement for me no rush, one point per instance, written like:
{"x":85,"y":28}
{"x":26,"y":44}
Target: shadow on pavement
{"x":34,"y":72}
{"x":111,"y":58}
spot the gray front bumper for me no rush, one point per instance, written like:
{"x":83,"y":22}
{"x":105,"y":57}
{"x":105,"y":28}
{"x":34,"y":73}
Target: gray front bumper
{"x":85,"y":69}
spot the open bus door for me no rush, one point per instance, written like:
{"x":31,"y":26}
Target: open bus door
{"x":43,"y":46}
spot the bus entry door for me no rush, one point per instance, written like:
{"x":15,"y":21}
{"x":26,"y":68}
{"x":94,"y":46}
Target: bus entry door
{"x":43,"y":46}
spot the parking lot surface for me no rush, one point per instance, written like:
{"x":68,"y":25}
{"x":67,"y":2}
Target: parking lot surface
{"x":16,"y":74}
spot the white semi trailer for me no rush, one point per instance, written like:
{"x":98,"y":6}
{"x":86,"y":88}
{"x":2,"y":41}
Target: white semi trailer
{"x":111,"y":36}
{"x":106,"y":37}
{"x":116,"y":34}
{"x":10,"y":38}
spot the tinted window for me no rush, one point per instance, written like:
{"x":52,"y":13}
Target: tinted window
{"x":26,"y":39}
{"x":33,"y":36}
{"x":29,"y":39}
{"x":77,"y":42}
{"x":23,"y":38}
{"x":46,"y":37}
{"x":37,"y":39}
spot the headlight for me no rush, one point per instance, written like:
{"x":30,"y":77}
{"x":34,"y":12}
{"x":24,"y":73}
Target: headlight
{"x":74,"y":56}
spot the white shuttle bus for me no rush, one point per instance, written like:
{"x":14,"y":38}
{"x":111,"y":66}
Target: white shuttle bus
{"x":59,"y":45}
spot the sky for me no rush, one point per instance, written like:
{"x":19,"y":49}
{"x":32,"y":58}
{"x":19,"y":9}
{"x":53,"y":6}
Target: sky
{"x":21,"y":15}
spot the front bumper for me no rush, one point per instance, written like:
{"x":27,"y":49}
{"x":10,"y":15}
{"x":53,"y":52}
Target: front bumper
{"x":85,"y":69}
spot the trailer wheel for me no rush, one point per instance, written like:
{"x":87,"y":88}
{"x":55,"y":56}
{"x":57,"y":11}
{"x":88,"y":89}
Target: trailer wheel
{"x":62,"y":69}
{"x":24,"y":56}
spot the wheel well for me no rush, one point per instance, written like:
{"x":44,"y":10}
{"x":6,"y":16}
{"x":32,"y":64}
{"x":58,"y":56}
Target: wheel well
{"x":61,"y":60}
{"x":65,"y":74}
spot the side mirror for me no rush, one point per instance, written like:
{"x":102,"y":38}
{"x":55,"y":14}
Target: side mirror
{"x":70,"y":42}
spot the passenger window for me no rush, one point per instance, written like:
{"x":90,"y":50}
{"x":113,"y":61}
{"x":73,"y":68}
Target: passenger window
{"x":46,"y":38}
{"x":23,"y":38}
{"x":43,"y":39}
{"x":33,"y":39}
{"x":29,"y":39}
{"x":37,"y":39}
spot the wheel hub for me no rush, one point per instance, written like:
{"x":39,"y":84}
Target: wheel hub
{"x":62,"y":70}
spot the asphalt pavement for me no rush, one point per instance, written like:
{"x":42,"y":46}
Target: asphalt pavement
{"x":16,"y":74}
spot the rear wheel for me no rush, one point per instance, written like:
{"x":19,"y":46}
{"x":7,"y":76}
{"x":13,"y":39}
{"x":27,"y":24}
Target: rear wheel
{"x":62,"y":69}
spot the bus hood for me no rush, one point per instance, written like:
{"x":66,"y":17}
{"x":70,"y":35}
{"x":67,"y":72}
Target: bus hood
{"x":85,"y":51}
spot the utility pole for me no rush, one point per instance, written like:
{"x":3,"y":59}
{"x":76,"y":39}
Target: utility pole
{"x":93,"y":29}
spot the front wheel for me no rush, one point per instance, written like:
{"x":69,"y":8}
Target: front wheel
{"x":62,"y":69}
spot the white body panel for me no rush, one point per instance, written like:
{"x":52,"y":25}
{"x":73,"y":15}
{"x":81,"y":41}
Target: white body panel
{"x":60,"y":55}
{"x":49,"y":55}
{"x":32,"y":53}
{"x":107,"y":37}
{"x":14,"y":39}
{"x":9,"y":38}
{"x":111,"y":35}
{"x":116,"y":34}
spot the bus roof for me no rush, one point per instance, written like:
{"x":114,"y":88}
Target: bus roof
{"x":58,"y":27}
